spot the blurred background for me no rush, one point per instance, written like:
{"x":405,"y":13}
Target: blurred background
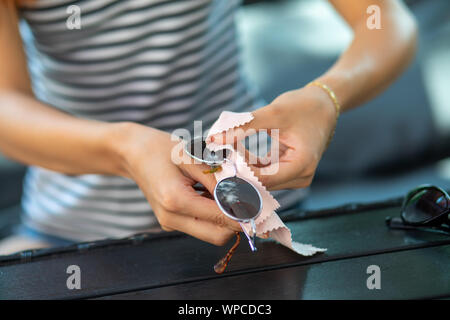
{"x":380,"y":150}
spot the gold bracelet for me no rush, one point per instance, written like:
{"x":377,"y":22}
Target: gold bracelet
{"x":333,"y":97}
{"x":330,"y":93}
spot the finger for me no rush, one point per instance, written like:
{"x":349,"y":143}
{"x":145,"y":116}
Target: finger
{"x":190,"y":203}
{"x":200,"y":229}
{"x":183,"y":199}
{"x":251,"y":158}
{"x":262,"y":119}
{"x":197,"y":173}
{"x":277,"y":173}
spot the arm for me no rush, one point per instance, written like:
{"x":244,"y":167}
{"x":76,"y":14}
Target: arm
{"x":375,"y":57}
{"x":305,"y":118}
{"x":37,"y":134}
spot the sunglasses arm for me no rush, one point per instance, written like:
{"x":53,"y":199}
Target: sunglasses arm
{"x":251,"y":240}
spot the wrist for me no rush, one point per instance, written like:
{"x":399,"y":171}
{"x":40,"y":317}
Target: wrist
{"x":119,"y":142}
{"x":323,"y":105}
{"x":326,"y":111}
{"x":331,"y":100}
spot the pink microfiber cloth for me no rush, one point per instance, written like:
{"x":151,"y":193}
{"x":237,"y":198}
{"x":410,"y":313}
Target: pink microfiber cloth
{"x":268,"y":221}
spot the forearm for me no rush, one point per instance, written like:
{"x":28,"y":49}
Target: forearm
{"x":375,"y":57}
{"x":36,"y":134}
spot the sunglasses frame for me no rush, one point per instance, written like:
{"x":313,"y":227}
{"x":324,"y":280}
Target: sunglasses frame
{"x":433,"y":221}
{"x":251,"y":239}
{"x":207,"y":162}
{"x":230,"y":216}
{"x":397,"y":223}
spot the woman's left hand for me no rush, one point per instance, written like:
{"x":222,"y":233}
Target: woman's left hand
{"x":305,"y":119}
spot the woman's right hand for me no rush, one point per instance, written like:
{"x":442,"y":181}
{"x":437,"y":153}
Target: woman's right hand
{"x":146,"y":155}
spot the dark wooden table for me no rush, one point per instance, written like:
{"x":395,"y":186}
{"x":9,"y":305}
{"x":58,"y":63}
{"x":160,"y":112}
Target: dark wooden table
{"x":412,"y":264}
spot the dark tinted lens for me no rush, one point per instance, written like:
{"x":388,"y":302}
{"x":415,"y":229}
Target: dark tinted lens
{"x":197,"y":148}
{"x":238,"y":198}
{"x":425,"y":205}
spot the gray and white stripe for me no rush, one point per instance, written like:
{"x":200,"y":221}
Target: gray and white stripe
{"x":162,"y":63}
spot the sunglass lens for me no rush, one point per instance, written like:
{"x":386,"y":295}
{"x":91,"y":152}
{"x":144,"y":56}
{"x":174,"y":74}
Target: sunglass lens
{"x":238,"y":198}
{"x":424,"y":205}
{"x":197,"y":148}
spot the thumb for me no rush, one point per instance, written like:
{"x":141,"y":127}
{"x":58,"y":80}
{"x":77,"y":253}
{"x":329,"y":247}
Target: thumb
{"x":263,"y":119}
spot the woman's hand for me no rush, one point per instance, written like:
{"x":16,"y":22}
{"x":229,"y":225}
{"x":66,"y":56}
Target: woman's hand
{"x":168,"y":187}
{"x":305,"y":120}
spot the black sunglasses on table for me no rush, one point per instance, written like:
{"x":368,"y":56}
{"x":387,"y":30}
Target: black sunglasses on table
{"x":424,"y":208}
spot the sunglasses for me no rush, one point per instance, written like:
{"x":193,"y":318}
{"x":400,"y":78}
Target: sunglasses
{"x":424,"y":208}
{"x":237,"y":198}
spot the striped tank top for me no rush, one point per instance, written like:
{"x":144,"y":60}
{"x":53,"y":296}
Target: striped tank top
{"x":161,"y":63}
